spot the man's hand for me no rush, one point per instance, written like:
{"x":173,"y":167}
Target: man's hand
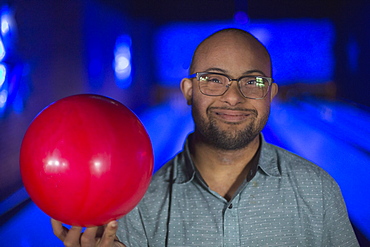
{"x":102,"y":236}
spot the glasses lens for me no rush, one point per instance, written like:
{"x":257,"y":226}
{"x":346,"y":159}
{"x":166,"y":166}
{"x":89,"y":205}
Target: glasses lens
{"x":254,"y":86}
{"x":213,"y":84}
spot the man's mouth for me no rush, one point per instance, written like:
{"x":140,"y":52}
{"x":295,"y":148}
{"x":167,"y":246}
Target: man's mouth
{"x":232,"y":115}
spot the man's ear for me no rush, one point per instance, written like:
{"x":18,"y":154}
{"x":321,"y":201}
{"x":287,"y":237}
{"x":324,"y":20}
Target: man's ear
{"x":187,"y":89}
{"x":274,"y":90}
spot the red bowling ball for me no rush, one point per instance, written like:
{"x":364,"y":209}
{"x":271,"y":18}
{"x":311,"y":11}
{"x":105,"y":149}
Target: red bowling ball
{"x":86,"y":160}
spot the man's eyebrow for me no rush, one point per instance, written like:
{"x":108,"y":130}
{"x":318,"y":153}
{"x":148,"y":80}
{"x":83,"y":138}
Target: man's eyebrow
{"x":248,"y":72}
{"x":216,"y":69}
{"x":254,"y":71}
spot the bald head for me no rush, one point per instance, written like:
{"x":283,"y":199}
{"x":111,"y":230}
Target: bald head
{"x":227,"y":38}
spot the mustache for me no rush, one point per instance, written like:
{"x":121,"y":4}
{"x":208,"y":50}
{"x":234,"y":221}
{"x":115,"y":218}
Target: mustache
{"x":252,"y":111}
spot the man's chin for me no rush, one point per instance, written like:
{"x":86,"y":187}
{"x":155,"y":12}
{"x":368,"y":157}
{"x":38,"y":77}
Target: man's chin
{"x":226,"y":140}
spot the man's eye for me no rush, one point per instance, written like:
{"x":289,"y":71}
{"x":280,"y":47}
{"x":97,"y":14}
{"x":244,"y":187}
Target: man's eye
{"x":215,"y":80}
{"x":249,"y":82}
{"x":258,"y":82}
{"x":210,"y":79}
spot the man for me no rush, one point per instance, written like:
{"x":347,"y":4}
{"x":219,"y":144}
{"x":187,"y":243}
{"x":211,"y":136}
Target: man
{"x":228,"y":187}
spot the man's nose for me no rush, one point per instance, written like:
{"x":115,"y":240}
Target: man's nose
{"x":233,"y":96}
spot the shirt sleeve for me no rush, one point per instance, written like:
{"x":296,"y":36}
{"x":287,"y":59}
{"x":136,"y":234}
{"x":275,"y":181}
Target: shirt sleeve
{"x":131,"y":231}
{"x":338,"y":230}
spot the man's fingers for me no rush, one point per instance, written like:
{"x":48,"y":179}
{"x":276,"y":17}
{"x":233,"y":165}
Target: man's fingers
{"x":88,"y":238}
{"x":58,"y":229}
{"x":109,"y":234}
{"x":73,"y":237}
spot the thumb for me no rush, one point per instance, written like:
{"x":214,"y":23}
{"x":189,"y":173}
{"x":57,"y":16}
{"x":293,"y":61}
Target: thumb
{"x":109,"y":235}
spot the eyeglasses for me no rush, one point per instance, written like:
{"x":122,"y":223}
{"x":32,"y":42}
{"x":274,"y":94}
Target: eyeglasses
{"x":216,"y":84}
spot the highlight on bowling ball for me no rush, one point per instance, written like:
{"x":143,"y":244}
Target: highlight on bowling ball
{"x":86,"y":160}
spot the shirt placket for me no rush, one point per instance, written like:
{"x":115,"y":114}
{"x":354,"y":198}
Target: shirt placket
{"x":231,"y":223}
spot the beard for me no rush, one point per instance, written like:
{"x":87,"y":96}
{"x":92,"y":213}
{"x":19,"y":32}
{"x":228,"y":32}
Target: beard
{"x":230,"y":138}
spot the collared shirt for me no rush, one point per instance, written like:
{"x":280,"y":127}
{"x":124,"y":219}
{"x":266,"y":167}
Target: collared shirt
{"x":288,"y":201}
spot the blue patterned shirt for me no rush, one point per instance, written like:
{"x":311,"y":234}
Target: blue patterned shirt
{"x":288,"y":202}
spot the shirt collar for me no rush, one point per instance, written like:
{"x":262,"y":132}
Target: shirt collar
{"x":265,"y":159}
{"x":184,"y":166}
{"x":268,"y":161}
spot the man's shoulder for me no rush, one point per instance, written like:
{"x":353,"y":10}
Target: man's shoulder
{"x":161,"y":179}
{"x":302,"y":174}
{"x":290,"y":164}
{"x":164,"y":173}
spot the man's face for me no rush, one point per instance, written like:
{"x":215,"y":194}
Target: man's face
{"x":230,"y":121}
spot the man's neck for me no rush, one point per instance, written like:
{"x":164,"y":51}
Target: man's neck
{"x":223,"y":170}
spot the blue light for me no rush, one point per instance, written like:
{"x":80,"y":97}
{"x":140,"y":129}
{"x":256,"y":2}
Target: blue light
{"x":6,"y":20}
{"x":122,"y":61}
{"x":2,"y":74}
{"x":2,"y":50}
{"x":3,"y":98}
{"x":5,"y":24}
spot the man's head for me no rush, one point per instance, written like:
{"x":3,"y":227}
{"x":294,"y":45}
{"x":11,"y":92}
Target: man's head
{"x":255,"y":43}
{"x":229,"y":121}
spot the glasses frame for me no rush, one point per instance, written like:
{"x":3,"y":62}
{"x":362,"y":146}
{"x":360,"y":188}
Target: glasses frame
{"x":197,"y":75}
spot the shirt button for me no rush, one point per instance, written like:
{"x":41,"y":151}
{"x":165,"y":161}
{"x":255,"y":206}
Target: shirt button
{"x":231,"y":206}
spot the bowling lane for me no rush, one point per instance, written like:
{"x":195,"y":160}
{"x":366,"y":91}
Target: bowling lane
{"x":30,"y":227}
